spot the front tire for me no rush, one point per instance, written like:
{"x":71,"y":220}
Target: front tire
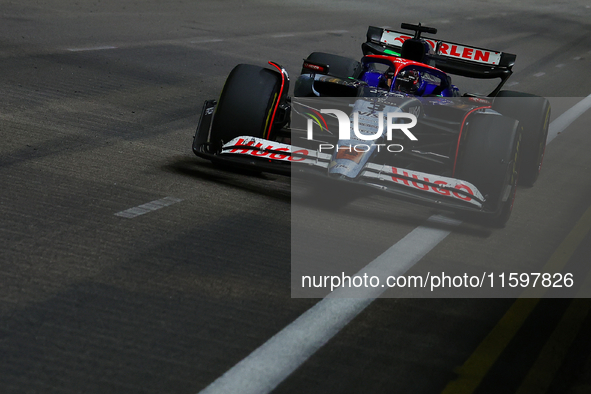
{"x":339,"y":66}
{"x":533,"y":113}
{"x":490,"y":162}
{"x":249,"y":96}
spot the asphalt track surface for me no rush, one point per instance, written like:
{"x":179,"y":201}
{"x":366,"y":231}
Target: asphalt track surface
{"x":128,"y":265}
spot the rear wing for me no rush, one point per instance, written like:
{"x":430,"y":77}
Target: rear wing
{"x":453,"y":58}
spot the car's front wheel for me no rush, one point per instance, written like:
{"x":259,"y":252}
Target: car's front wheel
{"x":533,"y":113}
{"x":338,"y":66}
{"x":245,"y":105}
{"x":490,"y":161}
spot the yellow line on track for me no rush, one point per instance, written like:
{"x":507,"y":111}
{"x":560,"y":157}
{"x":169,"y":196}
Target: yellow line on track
{"x":554,"y":352}
{"x":470,"y":374}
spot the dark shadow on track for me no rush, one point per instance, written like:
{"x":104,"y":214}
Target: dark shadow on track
{"x":330,"y":196}
{"x":344,"y":199}
{"x":238,"y":179}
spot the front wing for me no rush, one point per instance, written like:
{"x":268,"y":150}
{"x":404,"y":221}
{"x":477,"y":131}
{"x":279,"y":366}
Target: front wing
{"x":432,"y":189}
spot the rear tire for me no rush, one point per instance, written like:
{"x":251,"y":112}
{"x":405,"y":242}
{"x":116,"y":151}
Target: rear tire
{"x":533,"y":113}
{"x":244,"y":108}
{"x":490,"y":162}
{"x":339,"y":66}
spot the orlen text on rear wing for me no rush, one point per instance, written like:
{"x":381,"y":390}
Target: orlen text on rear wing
{"x":467,"y":61}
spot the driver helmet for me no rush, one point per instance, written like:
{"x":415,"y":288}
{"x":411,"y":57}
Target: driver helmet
{"x":409,"y":81}
{"x":386,"y":79}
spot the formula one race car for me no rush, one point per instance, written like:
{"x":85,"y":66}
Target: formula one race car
{"x":393,"y":122}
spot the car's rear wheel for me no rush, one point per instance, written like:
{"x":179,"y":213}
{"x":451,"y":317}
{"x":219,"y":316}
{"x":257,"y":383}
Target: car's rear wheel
{"x":338,"y":66}
{"x":490,"y":161}
{"x":245,"y":105}
{"x":533,"y":113}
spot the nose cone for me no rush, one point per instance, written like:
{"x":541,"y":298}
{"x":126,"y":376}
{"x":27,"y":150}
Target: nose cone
{"x":349,"y":158}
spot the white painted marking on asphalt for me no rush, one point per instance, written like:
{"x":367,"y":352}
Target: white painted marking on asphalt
{"x":512,"y":84}
{"x":560,"y":65}
{"x":282,"y":35}
{"x":577,"y":58}
{"x":206,"y":40}
{"x":148,"y":207}
{"x":102,"y":48}
{"x":539,"y":74}
{"x":563,"y":121}
{"x":296,"y":34}
{"x":266,"y":367}
{"x":270,"y":364}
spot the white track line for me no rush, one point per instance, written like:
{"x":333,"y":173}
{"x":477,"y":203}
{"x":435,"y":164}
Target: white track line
{"x":266,"y":367}
{"x":148,"y":207}
{"x":283,"y":35}
{"x":271,"y":363}
{"x":563,"y":121}
{"x":206,"y":40}
{"x":92,"y":48}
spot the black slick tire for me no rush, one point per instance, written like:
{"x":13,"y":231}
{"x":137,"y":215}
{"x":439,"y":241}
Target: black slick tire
{"x":245,"y":104}
{"x":533,"y":114}
{"x":339,"y":66}
{"x":490,"y":160}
